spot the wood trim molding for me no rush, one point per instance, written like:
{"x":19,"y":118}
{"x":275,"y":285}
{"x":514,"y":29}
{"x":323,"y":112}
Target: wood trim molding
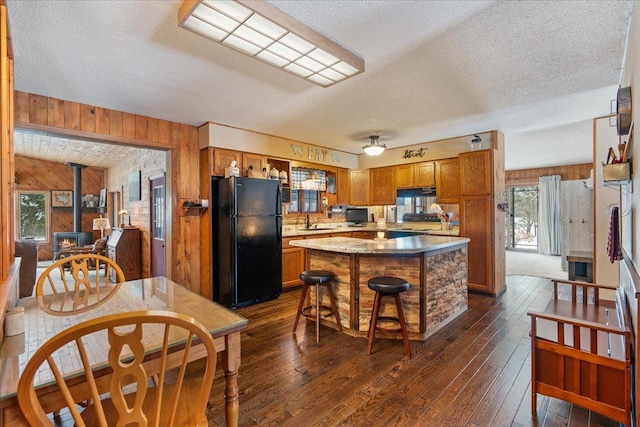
{"x":46,"y":114}
{"x":531,"y":176}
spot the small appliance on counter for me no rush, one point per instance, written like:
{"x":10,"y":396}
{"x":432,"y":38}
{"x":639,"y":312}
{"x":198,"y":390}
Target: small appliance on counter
{"x":357,"y":216}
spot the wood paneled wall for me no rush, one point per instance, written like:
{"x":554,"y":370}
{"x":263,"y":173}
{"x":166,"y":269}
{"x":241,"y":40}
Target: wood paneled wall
{"x":68,"y":118}
{"x":42,"y":175}
{"x":531,"y":176}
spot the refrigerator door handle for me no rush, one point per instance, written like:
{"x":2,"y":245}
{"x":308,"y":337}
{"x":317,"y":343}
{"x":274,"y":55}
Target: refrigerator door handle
{"x":279,"y":201}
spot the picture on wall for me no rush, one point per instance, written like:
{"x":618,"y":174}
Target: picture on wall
{"x":61,"y":198}
{"x":103,"y":198}
{"x":134,"y":186}
{"x":90,"y":201}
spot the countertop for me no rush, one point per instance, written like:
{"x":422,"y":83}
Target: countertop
{"x":291,"y":230}
{"x":401,"y":245}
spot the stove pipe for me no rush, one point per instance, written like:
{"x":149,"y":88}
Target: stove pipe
{"x":77,"y":195}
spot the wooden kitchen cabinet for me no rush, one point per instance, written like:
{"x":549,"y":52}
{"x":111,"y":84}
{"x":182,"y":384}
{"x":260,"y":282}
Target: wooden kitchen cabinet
{"x":475,"y":173}
{"x":383,"y":186}
{"x":424,"y":174}
{"x":222,"y":159}
{"x":342,"y":186}
{"x":256,"y":160}
{"x":480,"y":219}
{"x":359,"y":187}
{"x":123,"y":247}
{"x":292,"y":267}
{"x":448,"y":181}
{"x":475,"y":223}
{"x":404,"y":176}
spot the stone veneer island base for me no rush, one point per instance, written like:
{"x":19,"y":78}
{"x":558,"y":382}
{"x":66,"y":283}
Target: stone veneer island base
{"x":435,"y":267}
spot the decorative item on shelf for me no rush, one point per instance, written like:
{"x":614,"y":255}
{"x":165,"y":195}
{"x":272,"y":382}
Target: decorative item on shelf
{"x":101,"y":224}
{"x":618,"y":169}
{"x":274,"y":173}
{"x":252,"y":173}
{"x":284,"y":178}
{"x":123,"y":213}
{"x":476,"y":143}
{"x":232,"y":170}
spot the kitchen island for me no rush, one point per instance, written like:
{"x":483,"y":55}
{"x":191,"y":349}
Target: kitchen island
{"x":435,"y":267}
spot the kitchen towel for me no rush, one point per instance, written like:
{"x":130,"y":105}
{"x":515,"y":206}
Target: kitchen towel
{"x":613,"y":241}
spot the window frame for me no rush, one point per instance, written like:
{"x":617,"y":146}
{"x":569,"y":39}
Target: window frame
{"x":47,"y":215}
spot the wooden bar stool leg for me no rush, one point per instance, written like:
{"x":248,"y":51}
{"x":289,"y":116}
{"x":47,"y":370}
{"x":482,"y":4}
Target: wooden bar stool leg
{"x":403,"y":325}
{"x":334,"y":306}
{"x":374,"y":320}
{"x":317,"y":313}
{"x":305,"y":290}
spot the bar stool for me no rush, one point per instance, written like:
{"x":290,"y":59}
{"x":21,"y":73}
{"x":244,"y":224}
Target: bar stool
{"x":317,"y":278}
{"x":388,"y":286}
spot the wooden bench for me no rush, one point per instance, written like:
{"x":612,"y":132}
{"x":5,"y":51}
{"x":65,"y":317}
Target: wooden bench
{"x":581,"y":350}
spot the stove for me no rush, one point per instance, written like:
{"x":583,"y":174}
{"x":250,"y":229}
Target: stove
{"x":419,"y":222}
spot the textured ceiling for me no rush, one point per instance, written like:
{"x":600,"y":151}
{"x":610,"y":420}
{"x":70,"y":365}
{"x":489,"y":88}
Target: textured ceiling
{"x":433,"y":69}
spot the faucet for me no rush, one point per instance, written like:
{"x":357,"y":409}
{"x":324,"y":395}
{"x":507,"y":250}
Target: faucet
{"x":308,"y":222}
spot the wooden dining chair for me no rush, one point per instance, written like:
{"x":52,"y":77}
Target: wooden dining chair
{"x":80,"y":276}
{"x":121,"y":338}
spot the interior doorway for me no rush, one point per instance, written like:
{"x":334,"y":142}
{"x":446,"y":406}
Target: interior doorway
{"x":522,"y":224}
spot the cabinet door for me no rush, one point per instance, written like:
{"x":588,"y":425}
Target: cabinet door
{"x":223,"y":158}
{"x":404,"y":176}
{"x":359,"y":187}
{"x":342,"y":186}
{"x":476,"y":224}
{"x":424,"y":174}
{"x":257,"y":161}
{"x":448,"y":181}
{"x":383,"y":186}
{"x":292,"y":267}
{"x":475,"y":173}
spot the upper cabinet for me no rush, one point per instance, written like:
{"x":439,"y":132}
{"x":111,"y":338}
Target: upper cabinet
{"x":359,"y":187}
{"x":404,"y":176}
{"x":476,"y":177}
{"x":256,"y":160}
{"x":383,"y":186}
{"x":342,"y":184}
{"x":448,"y":181}
{"x":424,"y":174}
{"x":222,"y":159}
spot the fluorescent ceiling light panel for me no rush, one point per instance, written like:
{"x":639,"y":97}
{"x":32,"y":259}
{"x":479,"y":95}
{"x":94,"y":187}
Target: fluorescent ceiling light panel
{"x":230,"y":8}
{"x":216,"y":18}
{"x":264,"y":32}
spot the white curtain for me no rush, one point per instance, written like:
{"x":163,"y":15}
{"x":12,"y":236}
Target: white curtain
{"x":549,"y":236}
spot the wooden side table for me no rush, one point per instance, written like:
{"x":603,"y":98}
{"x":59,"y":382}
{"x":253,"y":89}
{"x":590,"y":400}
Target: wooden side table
{"x":581,"y":266}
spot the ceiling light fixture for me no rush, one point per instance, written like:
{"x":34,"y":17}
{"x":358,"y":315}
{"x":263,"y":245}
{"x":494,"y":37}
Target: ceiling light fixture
{"x":374,"y":148}
{"x":262,"y":31}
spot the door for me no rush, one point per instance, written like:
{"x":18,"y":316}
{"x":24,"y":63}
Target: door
{"x":157,"y":198}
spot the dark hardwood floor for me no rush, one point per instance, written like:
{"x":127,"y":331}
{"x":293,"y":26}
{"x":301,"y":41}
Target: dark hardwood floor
{"x":474,"y":372}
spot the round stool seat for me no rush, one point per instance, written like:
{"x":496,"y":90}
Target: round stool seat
{"x":316,"y":277}
{"x":388,"y":284}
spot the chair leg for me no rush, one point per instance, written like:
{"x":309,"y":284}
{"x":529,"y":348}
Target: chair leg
{"x":303,"y":296}
{"x":403,"y":325}
{"x":374,"y":321}
{"x":332,"y":297}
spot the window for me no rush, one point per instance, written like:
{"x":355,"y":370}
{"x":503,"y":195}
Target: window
{"x":32,"y":213}
{"x":306,"y":188}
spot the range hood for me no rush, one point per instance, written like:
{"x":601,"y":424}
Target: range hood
{"x":417,"y":192}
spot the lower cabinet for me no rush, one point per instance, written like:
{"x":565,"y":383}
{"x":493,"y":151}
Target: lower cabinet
{"x":292,"y":266}
{"x":476,"y":224}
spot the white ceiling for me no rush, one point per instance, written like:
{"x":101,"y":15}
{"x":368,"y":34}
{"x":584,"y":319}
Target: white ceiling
{"x":536,"y":70}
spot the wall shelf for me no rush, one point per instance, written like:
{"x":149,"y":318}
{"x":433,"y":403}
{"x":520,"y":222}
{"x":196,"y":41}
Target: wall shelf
{"x":190,"y":208}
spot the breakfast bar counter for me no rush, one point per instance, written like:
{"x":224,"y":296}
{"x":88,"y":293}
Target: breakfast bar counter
{"x":435,"y":267}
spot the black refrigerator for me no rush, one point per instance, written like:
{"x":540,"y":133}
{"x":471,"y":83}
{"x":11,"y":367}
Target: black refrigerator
{"x":247,"y":240}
